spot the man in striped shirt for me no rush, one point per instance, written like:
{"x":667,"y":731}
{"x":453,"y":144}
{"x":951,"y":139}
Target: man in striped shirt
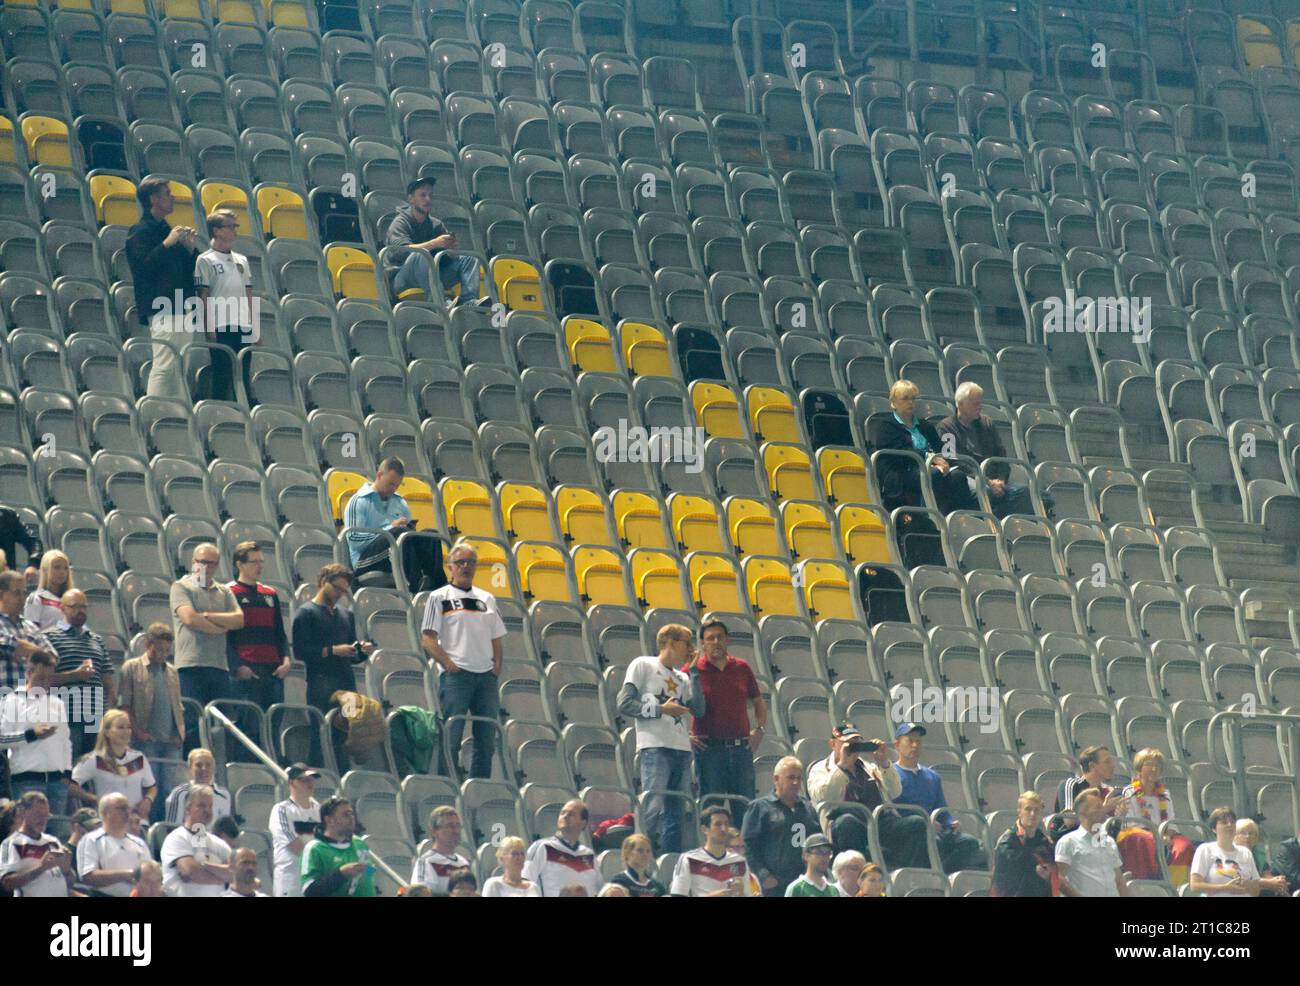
{"x":259,"y":651}
{"x":203,"y":773}
{"x":1097,"y":767}
{"x":84,"y":670}
{"x":561,"y":860}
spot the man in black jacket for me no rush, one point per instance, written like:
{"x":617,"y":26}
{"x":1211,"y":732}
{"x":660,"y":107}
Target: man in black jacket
{"x":900,"y":481}
{"x":161,"y":258}
{"x":775,"y":828}
{"x":412,"y":231}
{"x":1023,"y":860}
{"x":973,"y":435}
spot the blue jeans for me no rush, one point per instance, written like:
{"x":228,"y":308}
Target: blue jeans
{"x":663,"y":769}
{"x":473,"y":693}
{"x":453,"y":269}
{"x":725,"y":769}
{"x":163,"y":773}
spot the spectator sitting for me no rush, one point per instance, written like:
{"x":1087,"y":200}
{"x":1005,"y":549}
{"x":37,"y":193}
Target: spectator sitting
{"x":377,"y":506}
{"x":258,"y":652}
{"x":737,"y":843}
{"x":84,"y":670}
{"x":462,"y":884}
{"x":775,"y":825}
{"x":574,"y":890}
{"x":203,"y":772}
{"x":31,"y":579}
{"x":1023,"y":861}
{"x":224,"y":282}
{"x":1270,"y":883}
{"x":561,"y":860}
{"x":1286,"y":861}
{"x":817,"y":861}
{"x":227,"y":829}
{"x":411,"y":234}
{"x":84,"y":821}
{"x":900,"y":482}
{"x":337,"y":863}
{"x":712,"y":870}
{"x":292,"y":823}
{"x":435,"y":867}
{"x":245,"y":882}
{"x":1222,"y":868}
{"x":847,"y":871}
{"x":203,"y":612}
{"x":115,"y":766}
{"x":636,"y":879}
{"x":1087,"y":859}
{"x":325,"y":637}
{"x":613,"y":890}
{"x":148,"y":880}
{"x":108,"y":857}
{"x":195,"y":862}
{"x":34,"y":727}
{"x":872,"y":881}
{"x":44,"y":607}
{"x":1146,"y":798}
{"x":1097,"y":768}
{"x":511,"y":855}
{"x":922,"y":786}
{"x":844,"y":779}
{"x":973,"y":435}
{"x":151,"y":694}
{"x":34,"y":863}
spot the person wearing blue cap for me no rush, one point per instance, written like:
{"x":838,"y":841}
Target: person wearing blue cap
{"x":923,"y":786}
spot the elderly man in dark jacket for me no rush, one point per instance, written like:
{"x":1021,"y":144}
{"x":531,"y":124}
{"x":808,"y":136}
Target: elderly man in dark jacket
{"x":412,"y":232}
{"x":973,"y":435}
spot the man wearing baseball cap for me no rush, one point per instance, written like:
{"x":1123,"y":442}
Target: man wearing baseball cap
{"x":413,"y":234}
{"x":846,"y":782}
{"x":293,"y":822}
{"x":817,"y":860}
{"x":922,"y":786}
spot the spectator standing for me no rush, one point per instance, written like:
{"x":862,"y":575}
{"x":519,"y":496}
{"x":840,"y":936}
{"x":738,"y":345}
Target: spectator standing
{"x":974,"y":436}
{"x":44,"y":607}
{"x":1087,"y":859}
{"x":1222,"y":868}
{"x":203,"y":612}
{"x":817,"y":861}
{"x":195,"y":862}
{"x":1286,"y":861}
{"x":34,"y":728}
{"x":462,"y":633}
{"x":775,"y":826}
{"x":244,"y":868}
{"x":923,"y":787}
{"x":1146,"y":798}
{"x":1096,"y":770}
{"x":161,"y":258}
{"x":13,"y":535}
{"x":561,"y":860}
{"x":203,"y":773}
{"x":34,"y":863}
{"x":19,"y":637}
{"x":224,"y":282}
{"x":151,"y":694}
{"x":412,"y":236}
{"x":258,"y":652}
{"x":108,"y":857}
{"x":900,"y":481}
{"x":84,"y":821}
{"x":148,"y":878}
{"x":1270,"y":883}
{"x":113,"y":765}
{"x":1023,"y":864}
{"x":337,"y":863}
{"x":847,"y":871}
{"x":325,"y":638}
{"x":435,"y":867}
{"x":712,"y":870}
{"x":638,"y":855}
{"x":658,"y":698}
{"x":511,"y":855}
{"x":293,"y":822}
{"x":723,"y":740}
{"x":84,"y":671}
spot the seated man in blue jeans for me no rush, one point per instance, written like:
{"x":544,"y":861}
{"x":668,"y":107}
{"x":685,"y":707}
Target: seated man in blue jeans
{"x":969,"y":432}
{"x":415,"y":229}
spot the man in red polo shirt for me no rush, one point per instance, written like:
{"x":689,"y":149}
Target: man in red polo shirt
{"x":723,"y":741}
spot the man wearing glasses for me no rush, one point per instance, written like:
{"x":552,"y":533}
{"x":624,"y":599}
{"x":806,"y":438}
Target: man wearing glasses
{"x":325,"y":638}
{"x":203,"y":612}
{"x":462,"y":632}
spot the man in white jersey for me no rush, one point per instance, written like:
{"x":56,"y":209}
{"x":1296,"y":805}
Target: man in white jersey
{"x":224,"y":282}
{"x":561,"y":860}
{"x":435,"y":867}
{"x":203,"y":771}
{"x":34,"y":863}
{"x":713,"y":870}
{"x":108,"y":856}
{"x":293,"y":825}
{"x":195,"y":862}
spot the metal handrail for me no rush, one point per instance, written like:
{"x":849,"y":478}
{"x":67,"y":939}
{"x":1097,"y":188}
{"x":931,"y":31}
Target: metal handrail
{"x":1234,"y":717}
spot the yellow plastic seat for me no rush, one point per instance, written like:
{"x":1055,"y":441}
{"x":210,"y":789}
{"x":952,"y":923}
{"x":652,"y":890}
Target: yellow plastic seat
{"x":468,"y":507}
{"x":590,"y":347}
{"x":771,"y":587}
{"x":584,"y":518}
{"x":340,"y":486}
{"x":419,"y":497}
{"x":645,"y":351}
{"x":863,"y":535}
{"x":138,"y":7}
{"x":352,"y":272}
{"x":753,"y":527}
{"x":772,"y":415}
{"x":115,"y":201}
{"x":519,"y":286}
{"x":219,"y":195}
{"x":808,"y":530}
{"x":657,"y":579}
{"x":827,"y":591}
{"x":638,"y":518}
{"x":47,"y":141}
{"x":602,"y":576}
{"x":1259,"y":46}
{"x":715,"y":583}
{"x":844,"y":475}
{"x":8,"y":151}
{"x":543,"y":573}
{"x":235,"y":12}
{"x":526,"y":512}
{"x":189,"y":9}
{"x":789,"y":472}
{"x":283,"y":212}
{"x":716,"y":410}
{"x":696,"y":522}
{"x":182,"y":213}
{"x":286,"y":13}
{"x":493,"y":572}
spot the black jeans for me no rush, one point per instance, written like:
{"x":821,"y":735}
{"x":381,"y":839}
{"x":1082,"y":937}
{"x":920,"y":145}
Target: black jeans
{"x":421,"y":560}
{"x":264,"y":689}
{"x":223,"y":372}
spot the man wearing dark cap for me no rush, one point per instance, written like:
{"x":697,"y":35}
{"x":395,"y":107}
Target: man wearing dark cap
{"x":922,"y":786}
{"x":413,"y":230}
{"x":293,"y":823}
{"x":844,"y":783}
{"x":817,"y":862}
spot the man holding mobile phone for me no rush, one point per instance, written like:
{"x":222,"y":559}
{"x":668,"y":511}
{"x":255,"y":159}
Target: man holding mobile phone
{"x":32,"y":862}
{"x":412,"y":236}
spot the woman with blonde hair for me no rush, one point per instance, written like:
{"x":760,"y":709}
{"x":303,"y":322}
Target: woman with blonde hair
{"x":899,"y":477}
{"x":1148,"y":799}
{"x":114,"y":767}
{"x":511,"y":854}
{"x":44,"y":607}
{"x":635,"y":878}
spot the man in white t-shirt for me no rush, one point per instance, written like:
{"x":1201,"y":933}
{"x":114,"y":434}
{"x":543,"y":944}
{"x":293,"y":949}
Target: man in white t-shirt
{"x":293,"y":824}
{"x":107,"y":857}
{"x":34,"y":863}
{"x":1087,"y":858}
{"x":195,"y":862}
{"x":660,"y":698}
{"x":435,"y":866}
{"x":462,"y":632}
{"x":714,"y":869}
{"x":561,"y":860}
{"x":1222,"y":868}
{"x":224,"y":282}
